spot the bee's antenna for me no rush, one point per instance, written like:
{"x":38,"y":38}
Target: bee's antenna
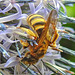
{"x":26,"y":68}
{"x":37,"y":69}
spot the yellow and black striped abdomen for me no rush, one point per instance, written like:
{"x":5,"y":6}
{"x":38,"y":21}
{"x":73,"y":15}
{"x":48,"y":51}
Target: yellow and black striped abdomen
{"x":37,"y":21}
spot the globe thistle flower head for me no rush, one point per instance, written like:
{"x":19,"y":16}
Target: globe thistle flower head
{"x":21,"y":49}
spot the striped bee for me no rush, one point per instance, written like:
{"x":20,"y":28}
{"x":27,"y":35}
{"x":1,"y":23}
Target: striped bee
{"x":46,"y":35}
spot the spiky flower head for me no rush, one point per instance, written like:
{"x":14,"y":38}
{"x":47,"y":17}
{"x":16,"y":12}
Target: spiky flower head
{"x":13,"y":15}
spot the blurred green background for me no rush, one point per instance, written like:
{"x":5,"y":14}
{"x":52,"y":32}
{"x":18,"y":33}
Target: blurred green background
{"x":68,"y":43}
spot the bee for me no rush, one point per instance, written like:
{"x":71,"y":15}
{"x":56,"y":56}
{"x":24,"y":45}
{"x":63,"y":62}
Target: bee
{"x":46,"y":35}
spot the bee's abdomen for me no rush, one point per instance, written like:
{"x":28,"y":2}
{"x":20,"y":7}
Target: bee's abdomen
{"x":37,"y":21}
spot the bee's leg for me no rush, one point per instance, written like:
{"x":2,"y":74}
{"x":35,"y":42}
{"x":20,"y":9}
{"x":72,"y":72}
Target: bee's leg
{"x":29,"y":32}
{"x":37,"y":69}
{"x":56,"y":49}
{"x":53,"y":44}
{"x":25,"y":44}
{"x":26,"y":68}
{"x":53,"y":47}
{"x":55,"y":37}
{"x":63,"y":31}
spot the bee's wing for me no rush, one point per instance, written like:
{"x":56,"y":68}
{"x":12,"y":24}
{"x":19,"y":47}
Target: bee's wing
{"x":51,"y":23}
{"x":52,"y":27}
